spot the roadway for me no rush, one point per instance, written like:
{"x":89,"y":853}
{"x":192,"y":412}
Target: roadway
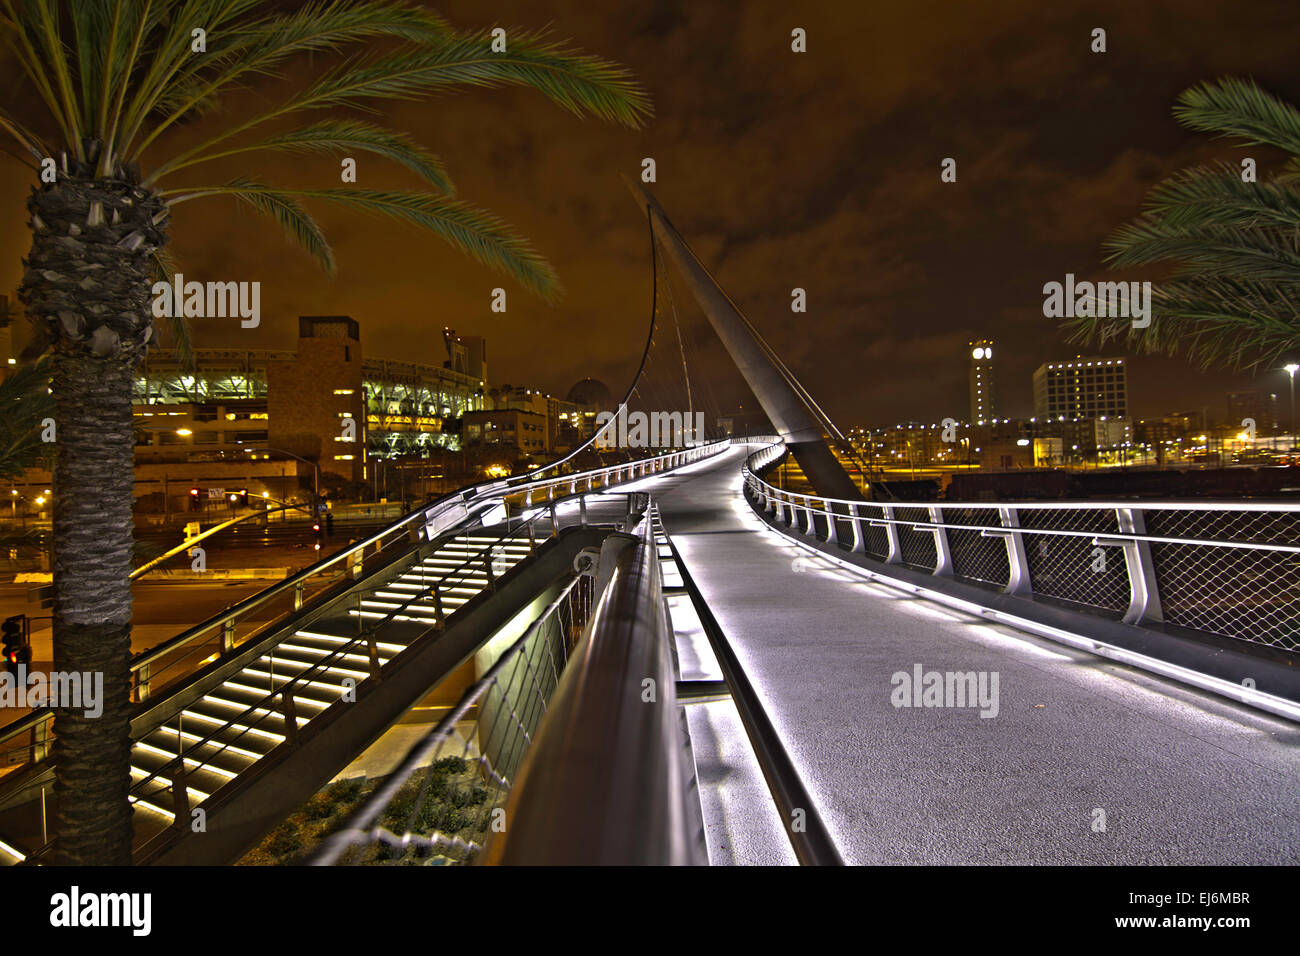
{"x":1182,"y":777}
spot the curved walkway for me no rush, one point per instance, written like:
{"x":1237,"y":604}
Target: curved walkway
{"x":1079,"y":760}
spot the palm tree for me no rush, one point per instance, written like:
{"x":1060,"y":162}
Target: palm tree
{"x":1232,"y":298}
{"x":25,"y":403}
{"x":113,"y":77}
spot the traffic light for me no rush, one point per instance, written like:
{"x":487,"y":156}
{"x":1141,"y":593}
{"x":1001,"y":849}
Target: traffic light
{"x":17,"y":648}
{"x":329,"y":524}
{"x":196,"y":504}
{"x":316,"y":530}
{"x":242,"y":495}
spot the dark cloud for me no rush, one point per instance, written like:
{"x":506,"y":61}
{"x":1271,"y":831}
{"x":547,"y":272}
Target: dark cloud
{"x":819,"y":171}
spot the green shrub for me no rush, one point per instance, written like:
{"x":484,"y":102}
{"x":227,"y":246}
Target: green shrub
{"x":346,"y":791}
{"x":284,"y":840}
{"x":319,"y":807}
{"x":450,"y":765}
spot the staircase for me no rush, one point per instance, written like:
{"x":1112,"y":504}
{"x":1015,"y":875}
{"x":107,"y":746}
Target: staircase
{"x":229,"y":729}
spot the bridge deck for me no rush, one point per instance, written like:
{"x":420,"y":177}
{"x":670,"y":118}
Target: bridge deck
{"x":1183,"y":777}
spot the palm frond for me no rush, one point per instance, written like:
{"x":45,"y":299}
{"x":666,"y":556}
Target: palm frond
{"x":1256,"y":254}
{"x":466,"y":227}
{"x":1231,"y":248}
{"x":25,"y":137}
{"x":23,"y":36}
{"x":163,"y":268}
{"x":1214,"y":321}
{"x":1217,"y":197}
{"x":258,"y":47}
{"x":169,"y":40}
{"x":580,"y":83}
{"x":1238,"y":108}
{"x":340,"y":136}
{"x":281,"y":206}
{"x":25,"y":401}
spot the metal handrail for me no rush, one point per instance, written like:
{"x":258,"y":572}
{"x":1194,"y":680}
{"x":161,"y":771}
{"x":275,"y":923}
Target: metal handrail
{"x":291,"y":685}
{"x":361,"y":825}
{"x":315,"y":669}
{"x":474,"y":495}
{"x":821,"y":505}
{"x":1155,"y":595}
{"x":605,"y":779}
{"x":752,"y":465}
{"x":323,"y":665}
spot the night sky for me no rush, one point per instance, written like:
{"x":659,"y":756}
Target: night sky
{"x":818,"y":170}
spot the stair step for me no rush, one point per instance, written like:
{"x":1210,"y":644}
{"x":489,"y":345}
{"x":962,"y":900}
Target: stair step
{"x":233,"y":756}
{"x":309,"y":685}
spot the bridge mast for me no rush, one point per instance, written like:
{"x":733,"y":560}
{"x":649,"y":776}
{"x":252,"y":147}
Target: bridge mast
{"x":788,"y":412}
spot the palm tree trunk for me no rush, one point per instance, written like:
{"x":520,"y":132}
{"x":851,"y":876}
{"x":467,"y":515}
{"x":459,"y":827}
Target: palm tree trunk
{"x":93,"y":481}
{"x":88,"y":283}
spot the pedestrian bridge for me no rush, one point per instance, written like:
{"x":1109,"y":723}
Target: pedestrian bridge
{"x":678,"y":661}
{"x":731,"y":653}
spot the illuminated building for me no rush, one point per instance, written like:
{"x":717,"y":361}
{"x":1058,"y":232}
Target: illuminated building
{"x":981,"y":381}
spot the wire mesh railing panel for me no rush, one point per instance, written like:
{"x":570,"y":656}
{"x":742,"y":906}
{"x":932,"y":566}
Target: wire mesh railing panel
{"x":917,"y":546}
{"x":1069,"y":567}
{"x":1244,"y":593}
{"x":976,"y":556}
{"x":875,"y":538}
{"x":448,"y":796}
{"x":1230,"y":569}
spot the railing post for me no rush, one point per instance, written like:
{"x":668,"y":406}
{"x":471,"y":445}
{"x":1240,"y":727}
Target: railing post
{"x":555,"y":522}
{"x":357,"y":558}
{"x":942,"y":551}
{"x":487,"y":566}
{"x":1018,"y":581}
{"x":832,"y":533}
{"x":439,"y":617}
{"x":894,"y":552}
{"x":290,"y":711}
{"x":228,"y":635}
{"x":297,"y":595}
{"x":582,"y":509}
{"x":372,"y":646}
{"x":41,"y":739}
{"x":1144,"y":595}
{"x":859,"y":539}
{"x":180,"y":796}
{"x":142,"y":683}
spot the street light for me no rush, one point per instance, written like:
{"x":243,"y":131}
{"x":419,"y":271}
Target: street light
{"x":1290,"y":370}
{"x":315,"y":467}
